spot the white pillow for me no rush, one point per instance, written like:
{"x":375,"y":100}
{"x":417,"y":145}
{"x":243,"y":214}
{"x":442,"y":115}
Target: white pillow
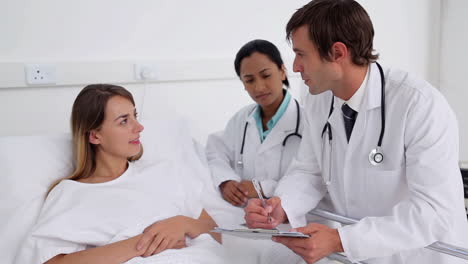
{"x":164,"y":138}
{"x":30,"y":164}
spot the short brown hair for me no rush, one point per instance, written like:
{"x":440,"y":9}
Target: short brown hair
{"x":331,"y":21}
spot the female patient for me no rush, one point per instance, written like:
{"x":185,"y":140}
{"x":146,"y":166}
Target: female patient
{"x":99,"y":213}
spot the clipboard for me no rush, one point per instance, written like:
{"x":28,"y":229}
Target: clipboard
{"x":258,"y":233}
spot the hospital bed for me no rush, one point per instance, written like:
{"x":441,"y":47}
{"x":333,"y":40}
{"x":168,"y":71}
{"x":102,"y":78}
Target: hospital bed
{"x":30,"y":164}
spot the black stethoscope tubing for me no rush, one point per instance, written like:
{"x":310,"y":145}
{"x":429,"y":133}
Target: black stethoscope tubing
{"x":382,"y":103}
{"x":296,"y":132}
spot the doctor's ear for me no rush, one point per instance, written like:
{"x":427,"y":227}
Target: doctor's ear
{"x":93,"y":137}
{"x":338,"y":51}
{"x":283,"y":72}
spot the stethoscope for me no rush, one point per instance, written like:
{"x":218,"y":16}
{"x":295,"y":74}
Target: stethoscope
{"x":376,"y":155}
{"x":240,"y":162}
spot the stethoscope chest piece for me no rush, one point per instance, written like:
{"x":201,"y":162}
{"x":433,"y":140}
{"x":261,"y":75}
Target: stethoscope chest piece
{"x":376,"y":156}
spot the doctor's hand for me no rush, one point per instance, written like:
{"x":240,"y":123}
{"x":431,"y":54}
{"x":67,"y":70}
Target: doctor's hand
{"x":162,"y":235}
{"x":257,"y":217}
{"x":322,"y":242}
{"x":249,"y":187}
{"x":234,"y":192}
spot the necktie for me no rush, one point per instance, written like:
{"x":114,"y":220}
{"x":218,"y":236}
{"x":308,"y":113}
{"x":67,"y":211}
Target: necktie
{"x":349,"y":117}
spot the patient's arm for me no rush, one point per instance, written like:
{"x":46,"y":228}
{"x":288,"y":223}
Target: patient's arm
{"x":117,"y":252}
{"x":162,"y":234}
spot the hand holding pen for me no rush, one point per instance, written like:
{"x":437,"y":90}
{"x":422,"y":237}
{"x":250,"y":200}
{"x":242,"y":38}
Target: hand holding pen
{"x":259,"y":190}
{"x":261,"y":213}
{"x":256,"y":215}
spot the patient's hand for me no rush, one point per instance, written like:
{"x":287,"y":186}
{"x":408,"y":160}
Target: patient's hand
{"x":234,"y":192}
{"x":162,"y":235}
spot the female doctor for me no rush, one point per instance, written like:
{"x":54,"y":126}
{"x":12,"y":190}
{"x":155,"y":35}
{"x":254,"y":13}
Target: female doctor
{"x":260,"y":140}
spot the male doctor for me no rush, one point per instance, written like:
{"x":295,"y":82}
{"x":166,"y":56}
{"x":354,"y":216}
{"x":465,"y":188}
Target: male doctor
{"x":381,"y":142}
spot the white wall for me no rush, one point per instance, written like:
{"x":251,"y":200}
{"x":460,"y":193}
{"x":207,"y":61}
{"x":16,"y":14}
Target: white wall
{"x":128,"y":30}
{"x":193,"y":43}
{"x":407,"y":35}
{"x":454,"y":72}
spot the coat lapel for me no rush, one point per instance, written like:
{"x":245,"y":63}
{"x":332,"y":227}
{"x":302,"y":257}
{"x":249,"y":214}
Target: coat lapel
{"x":252,"y":135}
{"x":370,"y":103}
{"x":285,"y":126}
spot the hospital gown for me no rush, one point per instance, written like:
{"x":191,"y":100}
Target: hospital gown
{"x":79,"y":215}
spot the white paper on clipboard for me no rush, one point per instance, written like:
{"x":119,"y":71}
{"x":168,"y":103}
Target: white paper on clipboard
{"x":258,"y":233}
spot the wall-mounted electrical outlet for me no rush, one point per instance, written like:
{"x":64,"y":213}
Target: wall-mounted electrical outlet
{"x":145,"y":71}
{"x":40,"y":74}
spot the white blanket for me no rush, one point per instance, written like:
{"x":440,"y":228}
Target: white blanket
{"x":201,"y":250}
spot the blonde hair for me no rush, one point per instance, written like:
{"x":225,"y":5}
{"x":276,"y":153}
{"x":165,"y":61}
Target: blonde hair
{"x":88,"y":113}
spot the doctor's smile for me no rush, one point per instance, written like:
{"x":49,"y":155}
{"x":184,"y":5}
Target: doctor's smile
{"x":135,"y":141}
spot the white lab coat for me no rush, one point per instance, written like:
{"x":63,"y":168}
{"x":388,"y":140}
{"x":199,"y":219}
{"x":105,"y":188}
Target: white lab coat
{"x":267,"y":161}
{"x":414,"y":198}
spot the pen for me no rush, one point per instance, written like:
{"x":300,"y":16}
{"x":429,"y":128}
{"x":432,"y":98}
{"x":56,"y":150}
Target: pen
{"x":259,"y":190}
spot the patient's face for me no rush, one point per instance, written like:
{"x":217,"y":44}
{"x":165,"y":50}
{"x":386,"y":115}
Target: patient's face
{"x":262,"y":79}
{"x":119,"y":135}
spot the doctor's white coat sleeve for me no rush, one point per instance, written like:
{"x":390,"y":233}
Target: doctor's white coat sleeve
{"x":302,"y":188}
{"x":220,"y":152}
{"x":430,"y":211}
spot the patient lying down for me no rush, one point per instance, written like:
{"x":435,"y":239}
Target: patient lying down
{"x":113,"y":208}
